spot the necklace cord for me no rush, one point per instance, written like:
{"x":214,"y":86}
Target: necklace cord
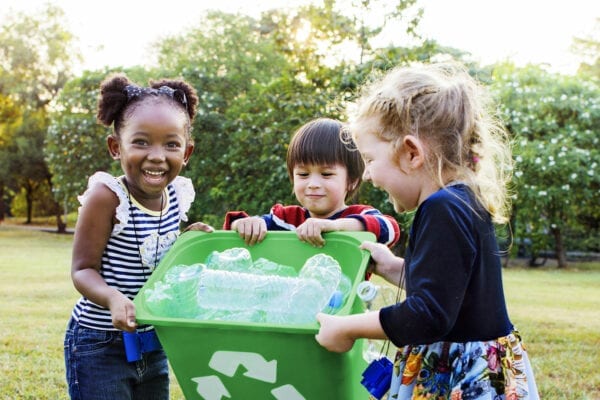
{"x":135,"y":232}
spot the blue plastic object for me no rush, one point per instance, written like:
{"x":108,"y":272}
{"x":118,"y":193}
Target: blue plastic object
{"x":138,"y":343}
{"x":377,"y":377}
{"x":337,"y":300}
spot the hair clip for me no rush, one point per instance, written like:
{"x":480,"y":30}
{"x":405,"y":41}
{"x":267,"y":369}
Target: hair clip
{"x":134,"y":91}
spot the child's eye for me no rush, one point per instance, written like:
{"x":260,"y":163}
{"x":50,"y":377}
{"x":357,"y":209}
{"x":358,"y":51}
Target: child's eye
{"x":173,"y":145}
{"x":140,"y":142}
{"x":302,"y":174}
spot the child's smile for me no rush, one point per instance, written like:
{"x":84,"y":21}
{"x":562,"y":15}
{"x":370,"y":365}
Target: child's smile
{"x":152,"y":148}
{"x":321,"y":189}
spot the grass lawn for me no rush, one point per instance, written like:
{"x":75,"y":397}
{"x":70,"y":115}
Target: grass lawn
{"x":556,"y":311}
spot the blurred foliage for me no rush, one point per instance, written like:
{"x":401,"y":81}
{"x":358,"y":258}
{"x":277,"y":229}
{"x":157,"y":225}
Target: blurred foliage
{"x":259,"y":79}
{"x":554,"y":121}
{"x":36,"y":58}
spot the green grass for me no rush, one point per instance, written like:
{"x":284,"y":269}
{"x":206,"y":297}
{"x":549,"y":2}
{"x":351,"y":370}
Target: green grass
{"x":556,"y":312}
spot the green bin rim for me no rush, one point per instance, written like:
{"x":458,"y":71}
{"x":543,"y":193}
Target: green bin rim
{"x":144,"y":316}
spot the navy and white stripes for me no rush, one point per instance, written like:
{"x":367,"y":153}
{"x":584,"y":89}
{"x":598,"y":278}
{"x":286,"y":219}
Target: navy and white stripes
{"x":122,"y":265}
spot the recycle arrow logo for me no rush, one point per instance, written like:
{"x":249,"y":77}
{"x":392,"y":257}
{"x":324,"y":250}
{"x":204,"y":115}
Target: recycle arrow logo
{"x":227,"y":363}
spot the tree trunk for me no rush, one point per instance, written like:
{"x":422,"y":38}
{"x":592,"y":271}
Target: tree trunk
{"x":561,"y":252}
{"x":2,"y":202}
{"x":61,"y":226}
{"x":29,"y":199}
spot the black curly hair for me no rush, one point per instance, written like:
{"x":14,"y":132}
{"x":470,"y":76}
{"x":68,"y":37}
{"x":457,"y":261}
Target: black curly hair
{"x":114,"y":103}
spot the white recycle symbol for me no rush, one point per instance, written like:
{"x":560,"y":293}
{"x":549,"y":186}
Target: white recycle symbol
{"x":227,"y":362}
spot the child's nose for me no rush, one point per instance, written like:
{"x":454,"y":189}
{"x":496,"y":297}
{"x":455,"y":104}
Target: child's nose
{"x":157,"y":153}
{"x":314,"y":182}
{"x":366,"y":175}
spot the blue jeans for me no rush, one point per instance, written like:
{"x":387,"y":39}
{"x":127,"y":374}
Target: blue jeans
{"x":97,"y":368}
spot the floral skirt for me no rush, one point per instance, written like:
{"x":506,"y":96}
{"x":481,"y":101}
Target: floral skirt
{"x":495,"y":370}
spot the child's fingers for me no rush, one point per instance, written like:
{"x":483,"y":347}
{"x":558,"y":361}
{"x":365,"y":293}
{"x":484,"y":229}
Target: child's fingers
{"x":369,"y":246}
{"x":310,"y":233}
{"x":252,"y":231}
{"x":123,"y":316}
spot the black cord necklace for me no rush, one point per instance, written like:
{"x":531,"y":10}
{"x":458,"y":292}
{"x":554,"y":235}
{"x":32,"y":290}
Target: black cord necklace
{"x":135,"y":232}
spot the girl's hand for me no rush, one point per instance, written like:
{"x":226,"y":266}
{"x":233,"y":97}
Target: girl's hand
{"x":387,"y":265}
{"x":331,"y":335}
{"x":252,"y":229}
{"x":199,"y":226}
{"x":311,"y":231}
{"x":122,"y":311}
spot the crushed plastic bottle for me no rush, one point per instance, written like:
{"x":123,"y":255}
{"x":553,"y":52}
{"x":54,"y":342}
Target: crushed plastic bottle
{"x":374,"y":297}
{"x":262,"y":266}
{"x":177,"y":295}
{"x":236,"y":289}
{"x":325,"y":269}
{"x":339,"y":296}
{"x":280,"y":299}
{"x":234,"y":259}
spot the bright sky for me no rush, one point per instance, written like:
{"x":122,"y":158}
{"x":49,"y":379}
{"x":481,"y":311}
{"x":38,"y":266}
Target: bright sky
{"x":119,"y":32}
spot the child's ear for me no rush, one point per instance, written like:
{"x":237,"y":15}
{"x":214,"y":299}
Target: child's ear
{"x":113,"y":147}
{"x":188,"y":153}
{"x":414,"y":151}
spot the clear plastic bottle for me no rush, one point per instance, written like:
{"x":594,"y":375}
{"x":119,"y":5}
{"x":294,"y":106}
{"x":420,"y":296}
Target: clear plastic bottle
{"x":374,"y":297}
{"x":231,"y":291}
{"x":233,"y":259}
{"x":159,"y":299}
{"x":339,"y":296}
{"x":281,"y":299}
{"x":325,"y":270}
{"x":262,"y":266}
{"x":176,"y":296}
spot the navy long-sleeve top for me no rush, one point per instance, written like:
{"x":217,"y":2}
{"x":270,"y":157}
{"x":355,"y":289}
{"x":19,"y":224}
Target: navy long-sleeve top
{"x":453,"y":275}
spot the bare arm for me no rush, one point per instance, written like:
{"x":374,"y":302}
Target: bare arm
{"x":338,"y":333}
{"x":94,"y":226}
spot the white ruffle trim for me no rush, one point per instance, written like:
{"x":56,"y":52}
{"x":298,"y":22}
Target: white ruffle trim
{"x":122,"y":212}
{"x":184,"y":190}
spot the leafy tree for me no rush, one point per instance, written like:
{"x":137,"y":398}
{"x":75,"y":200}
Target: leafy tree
{"x":10,"y":119}
{"x":224,"y":57}
{"x":36,"y":57}
{"x":589,"y":48}
{"x":259,"y":80}
{"x":27,"y":169}
{"x":372,"y":17}
{"x":554,"y":120}
{"x":75,"y":141}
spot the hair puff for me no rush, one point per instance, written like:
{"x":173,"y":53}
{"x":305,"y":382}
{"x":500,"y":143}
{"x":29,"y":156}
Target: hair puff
{"x":112,"y":98}
{"x":177,"y":84}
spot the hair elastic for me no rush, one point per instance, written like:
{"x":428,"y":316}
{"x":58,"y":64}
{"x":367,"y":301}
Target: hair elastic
{"x":134,"y":92}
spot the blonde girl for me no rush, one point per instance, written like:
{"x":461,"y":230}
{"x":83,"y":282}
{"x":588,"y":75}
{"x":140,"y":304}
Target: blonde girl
{"x":428,"y":138}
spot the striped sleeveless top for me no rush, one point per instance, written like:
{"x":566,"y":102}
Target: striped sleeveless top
{"x":137,"y":243}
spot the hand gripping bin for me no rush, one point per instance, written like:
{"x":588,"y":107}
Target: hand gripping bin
{"x":215,"y":360}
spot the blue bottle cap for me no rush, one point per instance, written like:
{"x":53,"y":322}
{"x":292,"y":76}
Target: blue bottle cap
{"x":336,"y":299}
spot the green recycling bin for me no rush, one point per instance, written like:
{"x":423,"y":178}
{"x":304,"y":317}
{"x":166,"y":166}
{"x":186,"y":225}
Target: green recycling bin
{"x":215,"y":360}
